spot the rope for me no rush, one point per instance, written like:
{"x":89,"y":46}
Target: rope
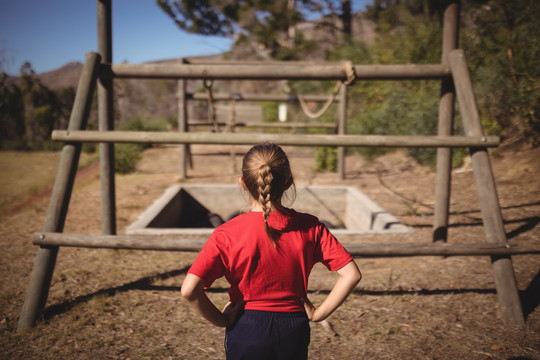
{"x":350,"y":77}
{"x":350,"y":74}
{"x":208,"y":85}
{"x":325,"y":107}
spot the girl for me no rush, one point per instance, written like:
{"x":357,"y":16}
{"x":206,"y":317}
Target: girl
{"x":266,"y":255}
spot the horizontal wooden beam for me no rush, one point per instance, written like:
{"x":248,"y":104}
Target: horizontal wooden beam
{"x":259,"y":97}
{"x":254,"y":62}
{"x":280,"y":139}
{"x":281,"y":71}
{"x":381,"y":250}
{"x":359,"y":250}
{"x":134,"y":242}
{"x":268,"y":124}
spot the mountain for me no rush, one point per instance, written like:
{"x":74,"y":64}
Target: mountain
{"x":66,"y":76}
{"x":157,"y":98}
{"x":323,"y":30}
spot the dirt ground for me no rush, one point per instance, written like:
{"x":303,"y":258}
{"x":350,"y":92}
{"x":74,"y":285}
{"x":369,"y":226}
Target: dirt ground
{"x":120,"y":304}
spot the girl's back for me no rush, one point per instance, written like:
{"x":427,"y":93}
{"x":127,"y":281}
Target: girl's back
{"x":265,"y":276}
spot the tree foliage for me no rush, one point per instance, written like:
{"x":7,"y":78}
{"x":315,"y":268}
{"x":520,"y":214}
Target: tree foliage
{"x":226,"y":18}
{"x":11,"y":110}
{"x":502,"y":43}
{"x":406,"y":33}
{"x":270,"y":23}
{"x":30,"y":110}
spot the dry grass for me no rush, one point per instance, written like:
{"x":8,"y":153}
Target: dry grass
{"x":28,"y":174}
{"x":108,"y":304}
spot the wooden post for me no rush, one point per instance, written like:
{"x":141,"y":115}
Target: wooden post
{"x":40,"y":279}
{"x":446,"y":124}
{"x":182,"y":125}
{"x":106,"y":120}
{"x":231,"y":127}
{"x":503,"y":270}
{"x":342,"y":130}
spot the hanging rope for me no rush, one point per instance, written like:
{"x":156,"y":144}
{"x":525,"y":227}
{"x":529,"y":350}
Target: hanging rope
{"x":325,"y":107}
{"x":350,"y":77}
{"x":211,"y":106}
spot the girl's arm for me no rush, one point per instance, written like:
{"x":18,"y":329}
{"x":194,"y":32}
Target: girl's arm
{"x":193,"y":292}
{"x":349,"y":276}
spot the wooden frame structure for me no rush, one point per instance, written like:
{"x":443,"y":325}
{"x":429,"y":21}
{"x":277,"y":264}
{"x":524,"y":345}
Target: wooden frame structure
{"x":339,"y":126}
{"x":453,"y":72}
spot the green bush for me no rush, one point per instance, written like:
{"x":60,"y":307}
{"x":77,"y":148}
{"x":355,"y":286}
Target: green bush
{"x":126,"y":157}
{"x":326,"y":159}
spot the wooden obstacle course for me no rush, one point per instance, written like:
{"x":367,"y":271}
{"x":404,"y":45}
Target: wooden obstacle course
{"x":455,"y":79}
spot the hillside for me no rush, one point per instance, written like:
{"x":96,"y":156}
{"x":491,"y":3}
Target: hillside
{"x":157,"y":98}
{"x":63,"y":77}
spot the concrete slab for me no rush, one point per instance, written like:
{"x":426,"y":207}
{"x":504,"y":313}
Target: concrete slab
{"x":192,"y":209}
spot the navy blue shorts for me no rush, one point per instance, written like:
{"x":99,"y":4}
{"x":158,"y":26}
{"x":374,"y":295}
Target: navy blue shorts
{"x":268,"y":335}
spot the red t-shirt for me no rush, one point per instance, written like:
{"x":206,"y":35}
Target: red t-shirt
{"x":264,"y":277}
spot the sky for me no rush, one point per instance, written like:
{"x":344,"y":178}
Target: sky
{"x":51,"y":33}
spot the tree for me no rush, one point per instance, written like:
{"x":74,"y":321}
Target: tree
{"x":501,"y":40}
{"x":41,"y":108}
{"x":502,"y":44}
{"x":11,"y":110}
{"x":270,"y":23}
{"x":227,"y":18}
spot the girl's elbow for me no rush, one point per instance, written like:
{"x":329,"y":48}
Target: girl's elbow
{"x":191,"y":287}
{"x":351,"y":273}
{"x":357,"y":277}
{"x":354,"y":277}
{"x":187,"y":294}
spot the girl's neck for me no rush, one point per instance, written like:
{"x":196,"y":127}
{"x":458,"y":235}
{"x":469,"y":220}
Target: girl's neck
{"x":256,"y":206}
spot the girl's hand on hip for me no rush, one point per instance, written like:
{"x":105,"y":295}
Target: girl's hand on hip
{"x":309,"y":307}
{"x":231,"y":310}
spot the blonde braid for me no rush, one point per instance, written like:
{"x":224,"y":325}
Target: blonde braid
{"x":264,"y":181}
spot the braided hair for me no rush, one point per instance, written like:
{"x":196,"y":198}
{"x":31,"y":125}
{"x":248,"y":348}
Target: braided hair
{"x":267,"y":175}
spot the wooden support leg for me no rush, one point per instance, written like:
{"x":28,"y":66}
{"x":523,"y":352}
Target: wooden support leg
{"x":444,"y":166}
{"x":106,"y":119}
{"x":503,"y":271}
{"x":445,"y":126}
{"x":183,"y":127}
{"x":40,"y":279}
{"x":38,"y":287}
{"x":342,"y":130}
